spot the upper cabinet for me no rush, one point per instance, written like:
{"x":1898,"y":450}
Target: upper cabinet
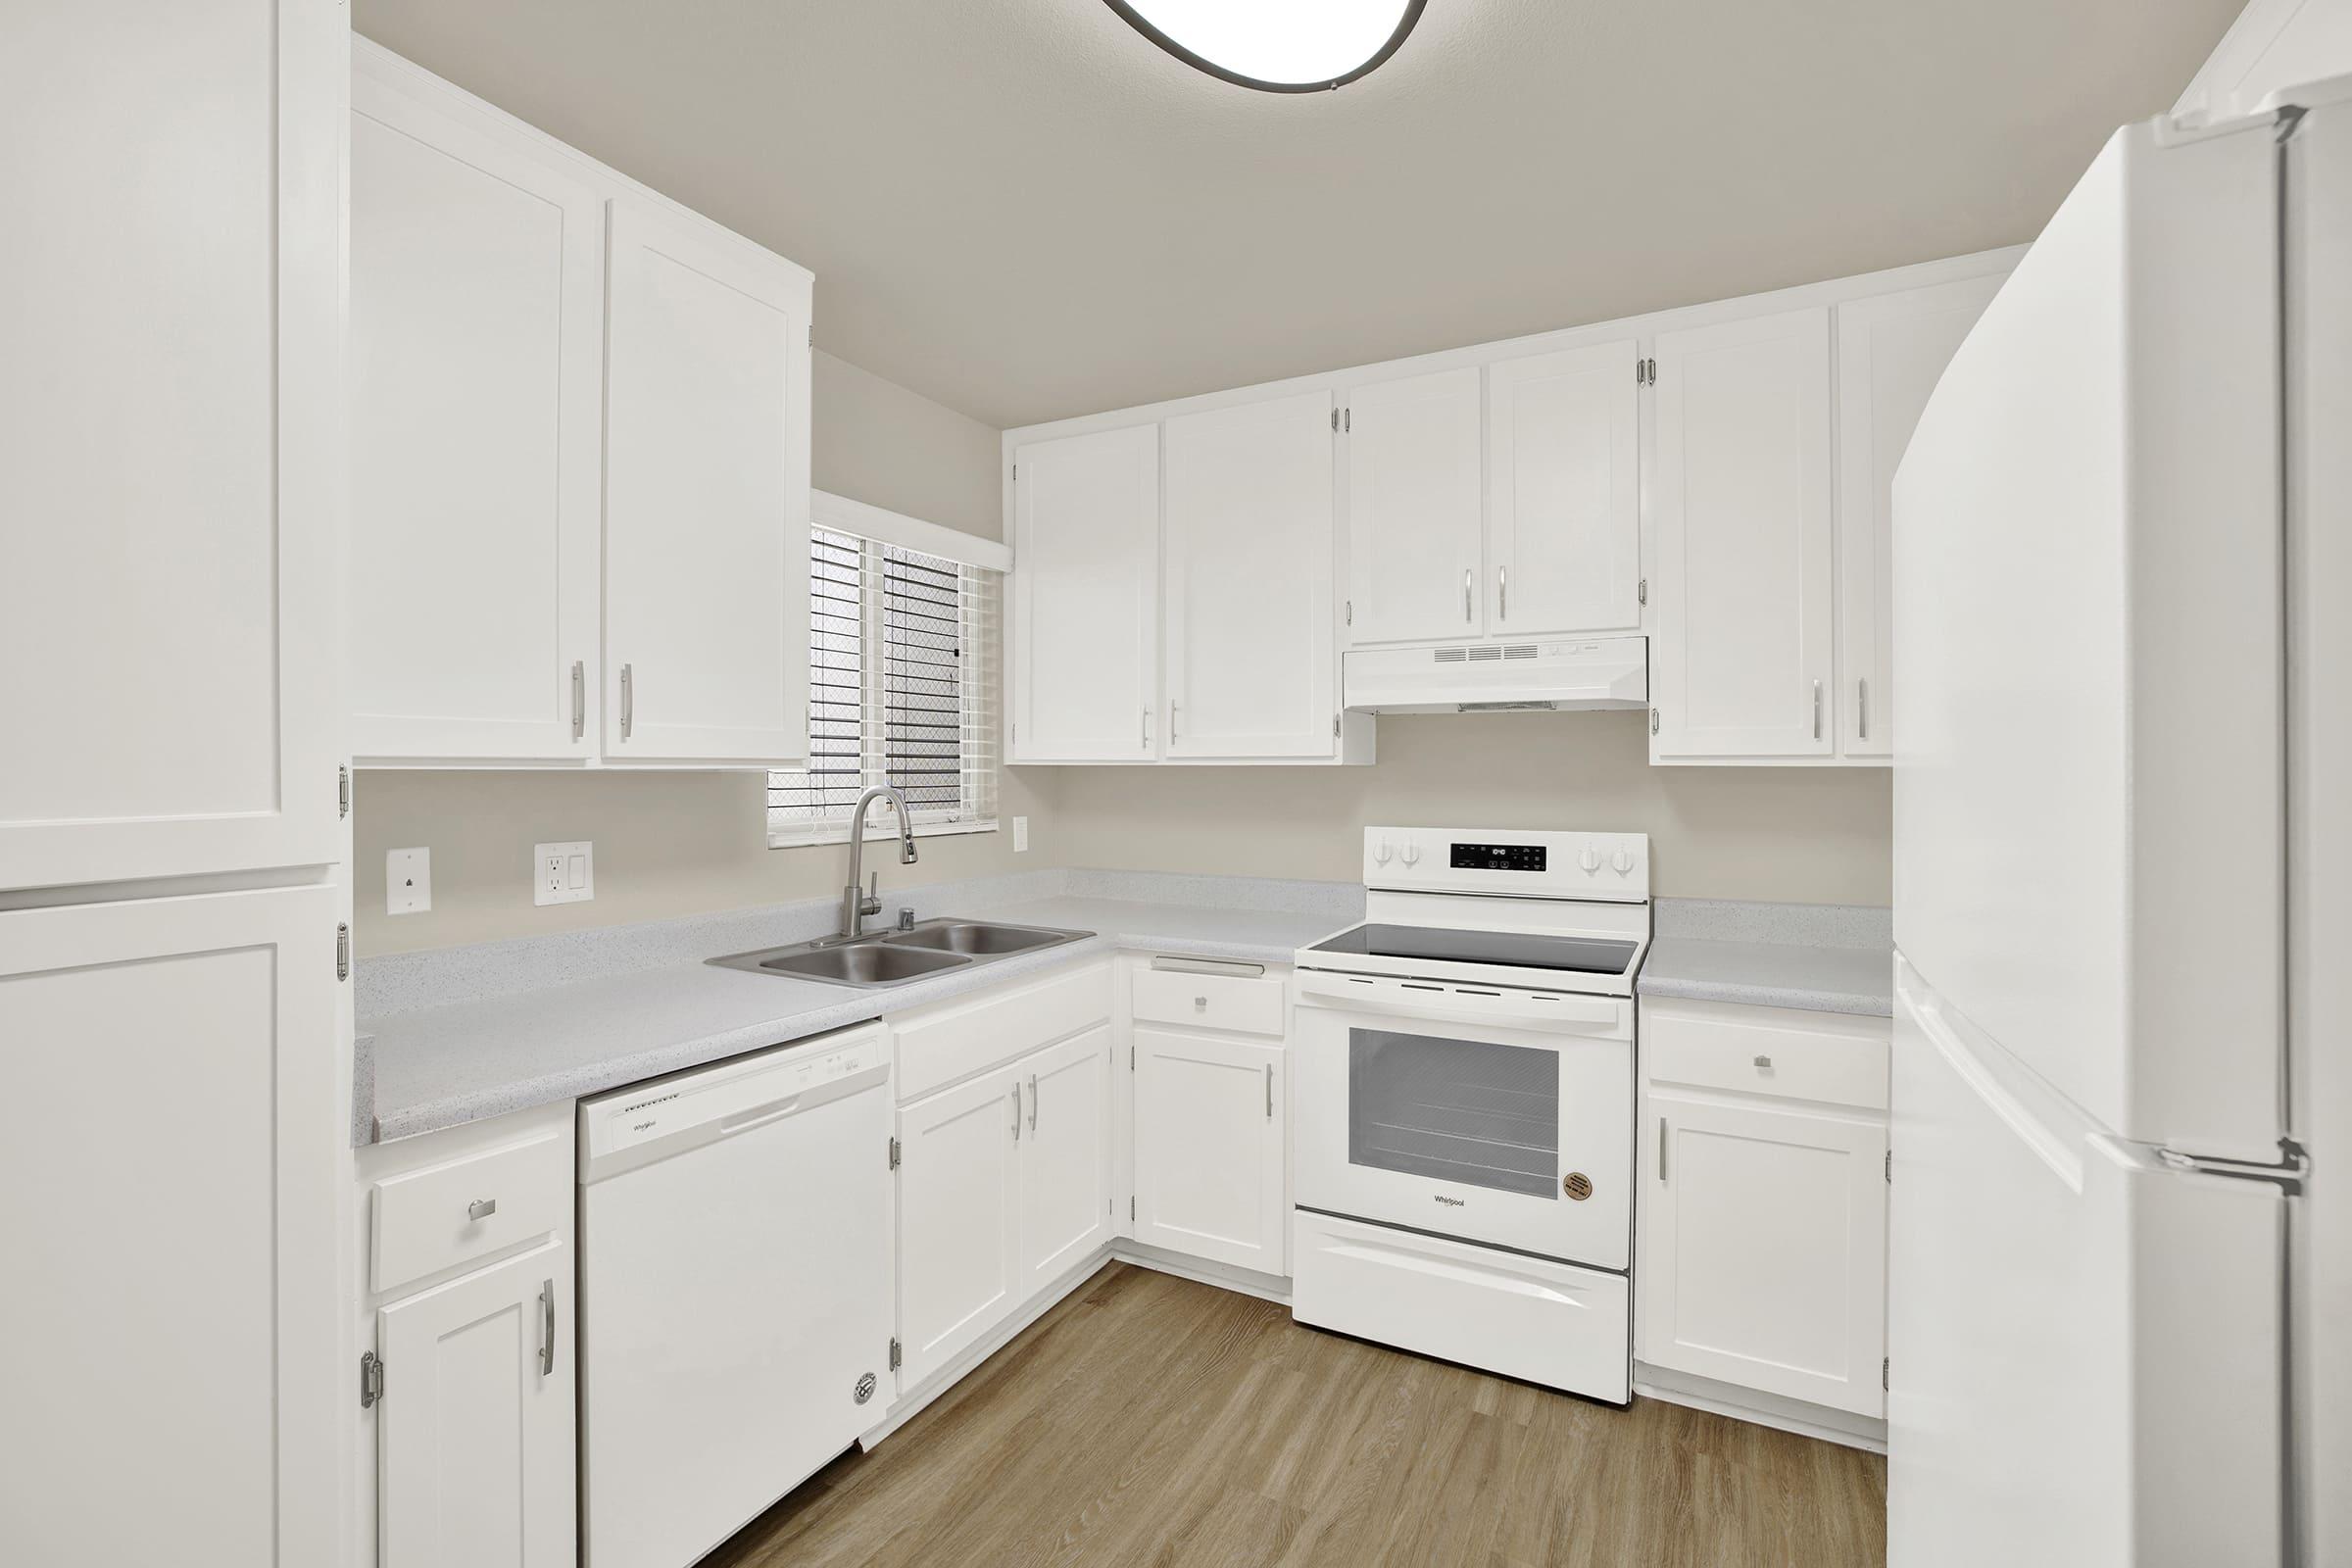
{"x":172,"y":494}
{"x":1564,"y":492}
{"x":477,"y":369}
{"x":1892,"y":349}
{"x":580,"y":421}
{"x":1252,"y":670}
{"x":1415,"y":514}
{"x":1085,"y":644}
{"x":1739,"y":655}
{"x":706,"y":495}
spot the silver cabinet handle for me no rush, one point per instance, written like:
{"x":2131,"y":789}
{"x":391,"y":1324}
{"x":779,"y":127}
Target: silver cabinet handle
{"x":1269,"y":1091}
{"x":579,"y":699}
{"x":1033,"y":1103}
{"x":547,"y":1327}
{"x":1503,"y":593}
{"x":1016,"y":1111}
{"x":481,"y":1208}
{"x":1465,"y":592}
{"x":1817,"y":710}
{"x":1764,"y":1063}
{"x":1146,"y":730}
{"x":1661,"y":1149}
{"x":628,"y":699}
{"x":1199,"y":1003}
{"x":1862,"y":707}
{"x":1172,"y":707}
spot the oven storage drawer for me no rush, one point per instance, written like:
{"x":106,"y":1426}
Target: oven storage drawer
{"x":1524,"y":1317}
{"x":1231,"y":1003}
{"x":1828,"y":1057}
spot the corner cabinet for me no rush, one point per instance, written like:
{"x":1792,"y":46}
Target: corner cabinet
{"x":580,"y":482}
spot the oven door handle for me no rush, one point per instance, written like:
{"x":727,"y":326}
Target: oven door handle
{"x":1465,"y":1004}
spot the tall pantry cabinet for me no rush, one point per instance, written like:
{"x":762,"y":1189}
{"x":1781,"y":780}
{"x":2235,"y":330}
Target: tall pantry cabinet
{"x":173,"y":1017}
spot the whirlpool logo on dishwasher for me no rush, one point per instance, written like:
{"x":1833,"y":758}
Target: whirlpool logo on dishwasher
{"x":1450,"y":1202}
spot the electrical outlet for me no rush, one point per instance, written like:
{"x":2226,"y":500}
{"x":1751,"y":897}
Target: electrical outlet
{"x":1020,"y":834}
{"x":408,"y":881}
{"x":562,"y":873}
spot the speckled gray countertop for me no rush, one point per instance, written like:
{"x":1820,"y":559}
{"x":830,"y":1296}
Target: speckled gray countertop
{"x":459,"y":1036}
{"x":1821,"y":958}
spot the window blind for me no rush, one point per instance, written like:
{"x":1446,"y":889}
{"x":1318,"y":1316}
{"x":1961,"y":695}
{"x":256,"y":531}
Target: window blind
{"x":903,"y":685}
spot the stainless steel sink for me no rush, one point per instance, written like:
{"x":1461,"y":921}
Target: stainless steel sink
{"x":886,"y":958}
{"x":977,"y":938}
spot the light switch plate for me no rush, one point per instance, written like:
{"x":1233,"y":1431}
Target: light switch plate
{"x":562,"y":873}
{"x":1020,"y":834}
{"x":408,"y":881}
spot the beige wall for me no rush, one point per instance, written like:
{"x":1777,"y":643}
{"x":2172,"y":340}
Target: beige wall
{"x":1795,"y":835}
{"x":671,"y":844}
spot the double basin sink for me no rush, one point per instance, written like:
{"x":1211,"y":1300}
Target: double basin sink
{"x":898,"y":958}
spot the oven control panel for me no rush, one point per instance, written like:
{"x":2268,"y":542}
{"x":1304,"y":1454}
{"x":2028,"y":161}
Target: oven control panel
{"x":1543,"y":863}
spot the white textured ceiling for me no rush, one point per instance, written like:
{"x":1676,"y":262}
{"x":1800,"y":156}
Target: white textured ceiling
{"x":1023,"y":209}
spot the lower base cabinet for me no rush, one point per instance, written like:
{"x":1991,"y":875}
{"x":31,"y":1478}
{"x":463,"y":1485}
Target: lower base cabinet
{"x":1209,"y":1115}
{"x":1763,"y":1255}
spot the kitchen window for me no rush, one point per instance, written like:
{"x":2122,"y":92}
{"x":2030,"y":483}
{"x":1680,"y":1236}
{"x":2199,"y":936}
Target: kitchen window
{"x":903,"y":689}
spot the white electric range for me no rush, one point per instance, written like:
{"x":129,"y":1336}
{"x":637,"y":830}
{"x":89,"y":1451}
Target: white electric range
{"x":1463,"y":1067}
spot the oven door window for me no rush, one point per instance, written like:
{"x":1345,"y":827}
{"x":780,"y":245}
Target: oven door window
{"x":1459,"y":1111}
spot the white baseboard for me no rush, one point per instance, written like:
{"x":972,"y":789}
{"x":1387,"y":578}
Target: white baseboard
{"x":1804,"y":1419}
{"x":1224,"y":1276}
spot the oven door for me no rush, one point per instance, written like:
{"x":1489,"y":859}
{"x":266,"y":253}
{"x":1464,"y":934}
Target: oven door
{"x":1485,"y":1113}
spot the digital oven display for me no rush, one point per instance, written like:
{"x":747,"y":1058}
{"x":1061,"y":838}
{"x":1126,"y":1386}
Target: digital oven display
{"x":1498,"y":856}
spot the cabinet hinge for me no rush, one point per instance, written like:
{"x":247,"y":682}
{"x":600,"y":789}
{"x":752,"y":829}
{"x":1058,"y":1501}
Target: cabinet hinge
{"x":1890,"y":1164}
{"x":1335,"y":726}
{"x":1335,"y":421}
{"x":896,"y":1355}
{"x":1641,"y":592}
{"x":342,"y":952}
{"x":1351,"y":611}
{"x":1885,"y":1372}
{"x":372,"y":1380}
{"x":342,"y":791}
{"x":1131,"y":1059}
{"x":1017,"y":472}
{"x":1653,"y":721}
{"x":894,"y":1153}
{"x":1130,"y":1210}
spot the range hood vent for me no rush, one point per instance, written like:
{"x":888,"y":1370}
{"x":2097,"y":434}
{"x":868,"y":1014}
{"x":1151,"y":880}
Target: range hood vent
{"x":1493,"y":677}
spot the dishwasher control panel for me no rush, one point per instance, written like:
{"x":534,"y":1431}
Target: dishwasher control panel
{"x":709,"y":1103}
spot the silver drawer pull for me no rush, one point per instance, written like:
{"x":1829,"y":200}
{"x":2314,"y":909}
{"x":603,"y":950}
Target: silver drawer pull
{"x":481,"y":1208}
{"x":1764,"y":1063}
{"x":1199,"y":1003}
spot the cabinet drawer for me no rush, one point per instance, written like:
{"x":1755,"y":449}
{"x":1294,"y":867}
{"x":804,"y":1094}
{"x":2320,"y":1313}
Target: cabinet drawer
{"x":425,"y":1221}
{"x":957,"y":1039}
{"x":1824,"y":1057}
{"x":1234,"y":1003}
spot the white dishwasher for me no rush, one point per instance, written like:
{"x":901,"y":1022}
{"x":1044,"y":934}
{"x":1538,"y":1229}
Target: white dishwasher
{"x":735,"y":1290}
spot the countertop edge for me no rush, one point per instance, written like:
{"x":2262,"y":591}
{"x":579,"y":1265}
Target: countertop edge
{"x":1861,"y":1004}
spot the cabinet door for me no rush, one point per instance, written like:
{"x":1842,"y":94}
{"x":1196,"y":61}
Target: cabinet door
{"x":1414,"y":512}
{"x":1564,"y":492}
{"x":476,"y":438}
{"x":1208,"y":1168}
{"x":1085,"y":597}
{"x":1740,"y":663}
{"x":706,"y":496}
{"x":476,"y":1433}
{"x":171,"y":1231}
{"x":1065,"y":1157}
{"x":1763,"y":1249}
{"x":172,"y":477}
{"x":1891,"y":352}
{"x":1252,"y":664}
{"x":960,"y":1271}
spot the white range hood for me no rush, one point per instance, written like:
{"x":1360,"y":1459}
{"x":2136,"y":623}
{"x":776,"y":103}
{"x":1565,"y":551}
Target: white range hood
{"x":1562,"y":674}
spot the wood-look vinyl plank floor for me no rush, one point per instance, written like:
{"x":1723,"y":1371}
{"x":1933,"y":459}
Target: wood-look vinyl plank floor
{"x":1151,"y":1421}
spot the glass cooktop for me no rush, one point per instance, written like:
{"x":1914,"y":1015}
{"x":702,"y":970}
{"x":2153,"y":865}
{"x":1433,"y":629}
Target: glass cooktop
{"x":1517,"y":948}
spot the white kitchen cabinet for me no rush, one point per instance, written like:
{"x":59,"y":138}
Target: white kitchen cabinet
{"x":959,"y":1264}
{"x":1209,"y":1121}
{"x":1564,"y":492}
{"x":1761,"y":1241}
{"x":1084,"y":587}
{"x":475,"y":1434}
{"x":171,"y":1231}
{"x":1415,"y":513}
{"x":1742,"y":630}
{"x":1066,"y":1204}
{"x":1892,"y":349}
{"x":172,"y":494}
{"x":706,"y":495}
{"x":477,"y":319}
{"x":1252,"y":662}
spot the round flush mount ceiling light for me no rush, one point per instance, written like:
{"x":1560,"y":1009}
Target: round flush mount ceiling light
{"x":1276,"y":45}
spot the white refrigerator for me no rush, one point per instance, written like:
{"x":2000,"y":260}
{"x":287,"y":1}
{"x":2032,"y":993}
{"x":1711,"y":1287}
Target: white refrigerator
{"x":2121,"y":1283}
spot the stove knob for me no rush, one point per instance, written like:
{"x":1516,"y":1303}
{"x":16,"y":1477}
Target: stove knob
{"x":1413,"y":854}
{"x":1590,"y":860}
{"x":1380,"y":853}
{"x":1624,"y":862}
